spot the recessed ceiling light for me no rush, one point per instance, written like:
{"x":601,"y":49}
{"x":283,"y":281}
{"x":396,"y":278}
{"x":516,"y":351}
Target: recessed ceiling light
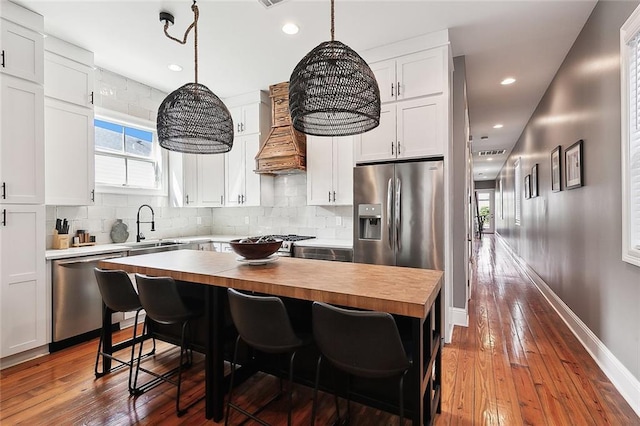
{"x":489,"y":159}
{"x":507,"y":81}
{"x":290,"y":28}
{"x":174,"y":67}
{"x":498,"y":126}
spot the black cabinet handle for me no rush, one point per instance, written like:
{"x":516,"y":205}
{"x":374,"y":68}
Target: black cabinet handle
{"x":91,"y":98}
{"x":4,"y":217}
{"x":4,"y":190}
{"x":3,"y":65}
{"x":93,"y":195}
{"x":392,"y":153}
{"x":334,"y":196}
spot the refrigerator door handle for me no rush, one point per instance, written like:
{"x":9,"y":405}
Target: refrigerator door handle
{"x":389,"y":211}
{"x":397,"y":212}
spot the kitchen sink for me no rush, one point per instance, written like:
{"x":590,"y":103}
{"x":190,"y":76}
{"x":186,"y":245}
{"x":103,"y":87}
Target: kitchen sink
{"x":146,"y":247}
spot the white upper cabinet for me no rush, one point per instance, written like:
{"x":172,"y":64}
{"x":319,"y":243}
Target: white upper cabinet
{"x":21,"y":141}
{"x":197,"y":180}
{"x":68,"y":80}
{"x":244,"y":187}
{"x":69,"y":154}
{"x":408,"y":129}
{"x":329,"y":170}
{"x":69,"y":125}
{"x":246,"y":119}
{"x":21,"y":51}
{"x":414,"y":94}
{"x":411,"y":76}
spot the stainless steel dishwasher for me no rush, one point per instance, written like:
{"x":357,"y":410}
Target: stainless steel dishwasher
{"x":77,"y":304}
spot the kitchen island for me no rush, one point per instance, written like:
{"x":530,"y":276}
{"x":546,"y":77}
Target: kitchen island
{"x":410,"y":293}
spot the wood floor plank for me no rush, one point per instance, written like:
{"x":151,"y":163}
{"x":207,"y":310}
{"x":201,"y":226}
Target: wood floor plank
{"x":516,"y":363}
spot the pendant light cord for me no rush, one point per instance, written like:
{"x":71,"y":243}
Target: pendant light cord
{"x":332,"y":21}
{"x":194,"y":26}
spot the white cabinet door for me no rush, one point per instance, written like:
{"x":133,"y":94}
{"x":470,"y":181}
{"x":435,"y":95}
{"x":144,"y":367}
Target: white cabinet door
{"x":419,"y":128}
{"x":246,"y":119}
{"x":190,"y":179}
{"x":69,"y":154}
{"x":210,"y":180}
{"x":420,"y":74}
{"x":22,"y":52}
{"x":23,"y":307}
{"x":253,"y":181}
{"x":385,"y":73}
{"x":21,"y":141}
{"x":379,"y":143}
{"x":319,"y":170}
{"x":68,"y":80}
{"x":342,"y":170}
{"x":235,"y":174}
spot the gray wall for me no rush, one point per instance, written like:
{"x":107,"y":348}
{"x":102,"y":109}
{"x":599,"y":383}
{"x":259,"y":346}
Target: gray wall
{"x":572,"y":238}
{"x":484,"y":184}
{"x":459,"y":238}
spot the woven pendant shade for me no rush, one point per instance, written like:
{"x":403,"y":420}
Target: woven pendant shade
{"x":193,"y":120}
{"x":333,"y":92}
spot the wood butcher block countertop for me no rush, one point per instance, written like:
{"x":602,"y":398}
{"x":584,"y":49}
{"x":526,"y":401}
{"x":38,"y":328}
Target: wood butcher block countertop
{"x":403,"y":291}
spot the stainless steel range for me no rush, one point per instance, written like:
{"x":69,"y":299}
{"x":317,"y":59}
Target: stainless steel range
{"x":286,"y":249}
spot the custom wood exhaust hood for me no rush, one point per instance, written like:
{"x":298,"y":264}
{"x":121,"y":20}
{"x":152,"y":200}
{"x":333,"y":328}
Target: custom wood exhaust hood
{"x":285,"y":149}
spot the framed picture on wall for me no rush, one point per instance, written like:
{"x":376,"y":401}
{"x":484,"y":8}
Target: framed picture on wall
{"x":556,"y":168}
{"x":527,"y":186}
{"x":534,"y":181}
{"x":573,"y":166}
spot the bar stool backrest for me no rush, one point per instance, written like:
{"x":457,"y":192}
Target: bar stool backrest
{"x":262,"y":322}
{"x":161,"y":300}
{"x":117,"y":290}
{"x":362,"y":343}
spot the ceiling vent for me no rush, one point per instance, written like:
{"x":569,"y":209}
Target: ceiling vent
{"x":270,"y":3}
{"x":491,"y":152}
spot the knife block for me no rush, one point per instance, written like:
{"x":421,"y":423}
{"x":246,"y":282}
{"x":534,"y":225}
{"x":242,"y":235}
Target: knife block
{"x":60,"y":241}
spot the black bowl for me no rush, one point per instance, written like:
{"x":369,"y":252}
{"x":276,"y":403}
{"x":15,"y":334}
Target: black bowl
{"x":249,"y":248}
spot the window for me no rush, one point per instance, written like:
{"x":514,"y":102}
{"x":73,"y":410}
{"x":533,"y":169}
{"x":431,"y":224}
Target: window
{"x":127,"y":157}
{"x":630,"y":89}
{"x":517,"y":191}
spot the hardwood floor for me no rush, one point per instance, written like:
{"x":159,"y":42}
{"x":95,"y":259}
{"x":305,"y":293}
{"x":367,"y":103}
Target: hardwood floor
{"x":516,"y":363}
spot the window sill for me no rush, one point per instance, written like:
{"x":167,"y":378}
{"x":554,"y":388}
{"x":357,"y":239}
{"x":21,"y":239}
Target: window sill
{"x":631,"y":256}
{"x":124,"y":190}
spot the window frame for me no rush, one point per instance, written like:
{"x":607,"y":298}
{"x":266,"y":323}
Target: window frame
{"x":628,"y":32}
{"x":137,"y":123}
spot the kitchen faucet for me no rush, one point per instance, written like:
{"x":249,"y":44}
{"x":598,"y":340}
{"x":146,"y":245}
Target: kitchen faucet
{"x":139,"y":235}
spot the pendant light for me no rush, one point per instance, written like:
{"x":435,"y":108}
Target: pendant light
{"x":192,"y":119}
{"x":333,"y":92}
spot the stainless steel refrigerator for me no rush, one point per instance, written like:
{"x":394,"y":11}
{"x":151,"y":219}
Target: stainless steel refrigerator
{"x":399,"y":214}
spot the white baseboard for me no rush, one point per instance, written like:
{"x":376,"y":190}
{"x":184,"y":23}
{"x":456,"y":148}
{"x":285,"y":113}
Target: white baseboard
{"x":11,"y":360}
{"x":620,"y":376}
{"x":459,"y":316}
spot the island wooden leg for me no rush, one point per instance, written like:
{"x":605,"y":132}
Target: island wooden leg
{"x":214,"y":357}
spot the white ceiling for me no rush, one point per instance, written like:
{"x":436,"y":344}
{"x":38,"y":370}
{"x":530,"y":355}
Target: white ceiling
{"x":242,"y":47}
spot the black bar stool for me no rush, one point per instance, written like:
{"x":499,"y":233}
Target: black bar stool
{"x":360,"y":343}
{"x":263,"y":324}
{"x":118,"y":295}
{"x":162,"y":302}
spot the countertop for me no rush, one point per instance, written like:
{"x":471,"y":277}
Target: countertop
{"x":403,"y":291}
{"x":53,"y":254}
{"x":325,"y":242}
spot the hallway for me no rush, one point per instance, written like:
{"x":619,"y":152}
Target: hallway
{"x":517,"y":362}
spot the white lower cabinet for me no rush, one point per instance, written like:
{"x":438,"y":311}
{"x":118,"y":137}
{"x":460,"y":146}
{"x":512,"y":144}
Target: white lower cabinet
{"x":69,"y":154}
{"x":23,"y":295}
{"x":244,"y":187}
{"x":408,"y":129}
{"x":329,"y":170}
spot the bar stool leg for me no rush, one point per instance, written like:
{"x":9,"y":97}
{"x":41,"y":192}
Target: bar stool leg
{"x":183,"y":340}
{"x":293,"y":355}
{"x":314,"y":408}
{"x":233,"y":369}
{"x":401,"y":401}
